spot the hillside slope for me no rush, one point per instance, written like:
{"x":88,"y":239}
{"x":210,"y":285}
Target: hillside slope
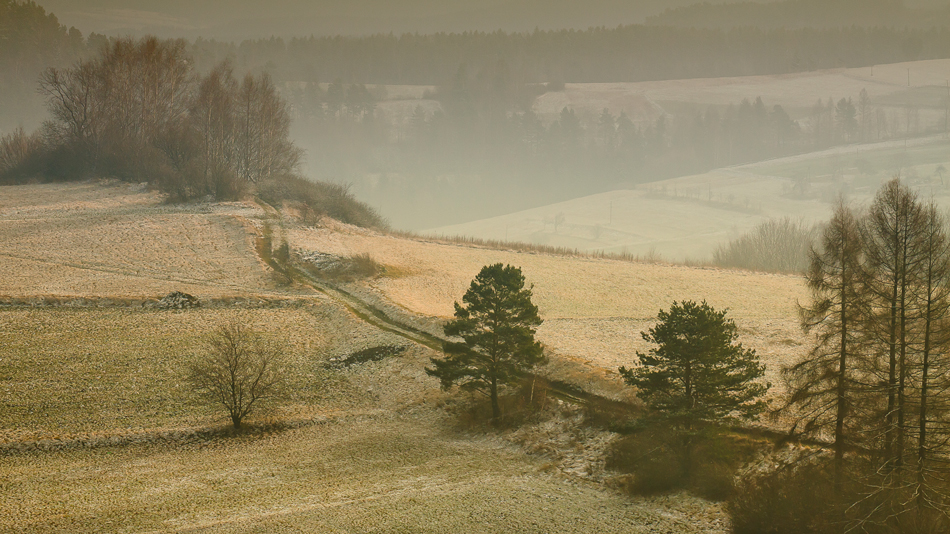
{"x":93,"y":396}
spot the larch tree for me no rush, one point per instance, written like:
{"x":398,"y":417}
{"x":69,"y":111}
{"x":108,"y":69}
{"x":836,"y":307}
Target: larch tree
{"x":933,"y":308}
{"x":823,"y":386}
{"x":894,"y":259}
{"x":496,"y":325}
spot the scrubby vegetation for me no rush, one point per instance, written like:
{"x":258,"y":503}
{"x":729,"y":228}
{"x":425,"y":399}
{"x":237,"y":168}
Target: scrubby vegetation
{"x":776,"y":245}
{"x":140,"y":113}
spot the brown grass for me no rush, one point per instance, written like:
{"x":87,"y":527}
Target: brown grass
{"x":594,"y":309}
{"x":110,"y":241}
{"x":71,"y":371}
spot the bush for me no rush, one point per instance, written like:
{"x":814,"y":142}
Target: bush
{"x":343,"y":269}
{"x":518,"y":407}
{"x":654,"y":457}
{"x":21,"y":157}
{"x":789,"y":500}
{"x":319,"y":199}
{"x":780,"y":245}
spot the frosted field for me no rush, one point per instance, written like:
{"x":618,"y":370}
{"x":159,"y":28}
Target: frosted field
{"x":377,"y":454}
{"x":594,"y":309}
{"x":644,"y":101}
{"x":116,"y":240}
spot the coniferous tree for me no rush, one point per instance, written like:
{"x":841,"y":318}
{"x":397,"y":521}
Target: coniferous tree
{"x":497,"y":326}
{"x":698,"y":373}
{"x":933,"y":307}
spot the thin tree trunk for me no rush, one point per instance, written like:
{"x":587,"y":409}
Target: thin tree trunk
{"x":841,"y":406}
{"x":495,"y":408}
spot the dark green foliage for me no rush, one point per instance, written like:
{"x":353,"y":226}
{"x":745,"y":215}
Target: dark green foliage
{"x":497,"y":327}
{"x":698,"y":372}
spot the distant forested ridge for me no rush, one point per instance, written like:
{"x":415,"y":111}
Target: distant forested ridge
{"x":32,"y":39}
{"x":804,"y":14}
{"x":622,"y":54}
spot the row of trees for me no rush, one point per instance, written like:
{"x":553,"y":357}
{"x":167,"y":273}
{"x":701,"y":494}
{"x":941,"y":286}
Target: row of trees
{"x":139,"y":111}
{"x":624,"y":53}
{"x":876,"y":379}
{"x":480,"y":134}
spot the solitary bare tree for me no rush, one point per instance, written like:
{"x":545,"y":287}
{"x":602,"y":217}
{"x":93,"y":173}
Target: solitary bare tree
{"x":238,"y":371}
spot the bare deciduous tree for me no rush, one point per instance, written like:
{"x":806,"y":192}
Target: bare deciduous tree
{"x":822,"y":386}
{"x":239,"y":371}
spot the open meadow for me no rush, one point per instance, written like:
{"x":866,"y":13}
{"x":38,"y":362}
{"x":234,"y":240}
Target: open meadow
{"x":121,"y":242}
{"x":98,"y":432}
{"x":594,"y":309}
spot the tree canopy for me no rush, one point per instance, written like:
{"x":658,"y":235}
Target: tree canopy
{"x":497,"y":326}
{"x":698,"y":372}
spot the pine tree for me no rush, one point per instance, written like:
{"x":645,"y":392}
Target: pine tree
{"x":698,"y":374}
{"x":497,"y":326}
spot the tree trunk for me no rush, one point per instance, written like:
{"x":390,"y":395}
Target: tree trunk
{"x":841,"y":404}
{"x":495,"y":408}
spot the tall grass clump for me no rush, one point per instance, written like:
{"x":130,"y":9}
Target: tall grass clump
{"x":776,"y":245}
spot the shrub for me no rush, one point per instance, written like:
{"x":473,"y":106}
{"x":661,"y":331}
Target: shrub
{"x":789,"y":500}
{"x":654,"y":457}
{"x":21,"y":157}
{"x":319,"y":199}
{"x":518,"y":406}
{"x":776,"y":245}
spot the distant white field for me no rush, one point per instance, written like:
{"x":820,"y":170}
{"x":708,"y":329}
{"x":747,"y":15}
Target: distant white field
{"x":688,"y":217}
{"x":647,"y":100}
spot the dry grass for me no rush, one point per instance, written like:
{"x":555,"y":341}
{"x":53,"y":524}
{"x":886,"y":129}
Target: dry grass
{"x":383,"y":464}
{"x":94,"y":239}
{"x":355,"y":476}
{"x":69,"y":371}
{"x":593,"y":308}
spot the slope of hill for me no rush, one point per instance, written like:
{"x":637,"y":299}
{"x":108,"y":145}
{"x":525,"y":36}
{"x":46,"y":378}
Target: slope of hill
{"x":92,"y":394}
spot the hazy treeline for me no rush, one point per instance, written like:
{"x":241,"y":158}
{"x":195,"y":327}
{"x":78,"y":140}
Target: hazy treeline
{"x":804,"y":14}
{"x":31,"y":40}
{"x":622,"y":54}
{"x":34,"y":40}
{"x":138,"y":112}
{"x":479,"y":133}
